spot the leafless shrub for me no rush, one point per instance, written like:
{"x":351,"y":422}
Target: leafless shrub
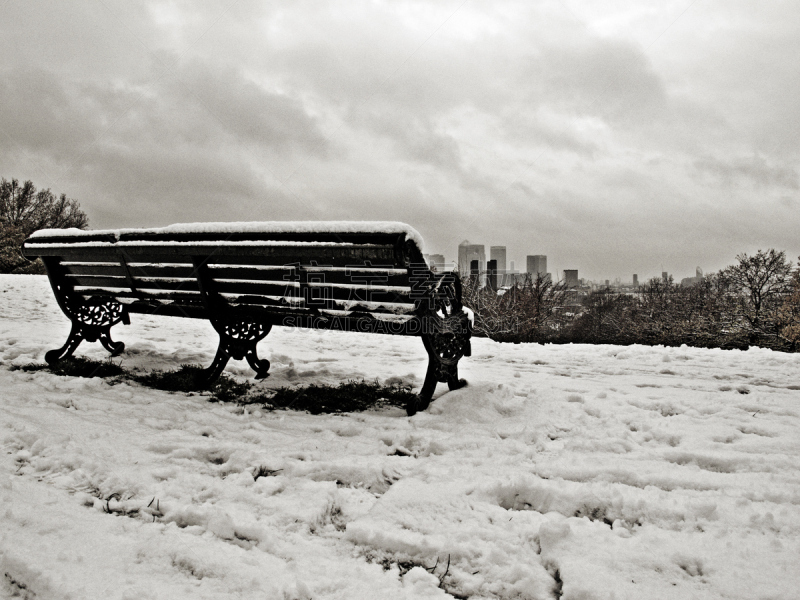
{"x":530,"y":310}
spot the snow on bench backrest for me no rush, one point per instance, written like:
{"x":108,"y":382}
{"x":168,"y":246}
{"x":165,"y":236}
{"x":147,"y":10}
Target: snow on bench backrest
{"x":222,"y":231}
{"x":330,"y":265}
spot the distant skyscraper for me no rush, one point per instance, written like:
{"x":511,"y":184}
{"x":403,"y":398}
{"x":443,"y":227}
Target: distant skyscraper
{"x":571,"y":277}
{"x":635,"y":280}
{"x":511,"y":274}
{"x":498,"y":253}
{"x":491,"y":274}
{"x":537,"y":264}
{"x":467,"y":253}
{"x":664,"y":276}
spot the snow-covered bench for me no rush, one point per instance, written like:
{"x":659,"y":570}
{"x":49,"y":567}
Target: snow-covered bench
{"x":247,"y":277}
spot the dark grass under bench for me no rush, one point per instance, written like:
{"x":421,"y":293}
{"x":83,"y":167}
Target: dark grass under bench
{"x":349,"y":396}
{"x":76,"y":366}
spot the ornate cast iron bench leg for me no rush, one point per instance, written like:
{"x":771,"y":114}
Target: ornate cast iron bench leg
{"x":239,"y":333}
{"x":73,"y":341}
{"x":454,"y":383}
{"x":237,"y":339}
{"x":116,"y":348}
{"x":92,"y":321}
{"x":445,"y":347}
{"x":446,"y":334}
{"x":259,"y":365}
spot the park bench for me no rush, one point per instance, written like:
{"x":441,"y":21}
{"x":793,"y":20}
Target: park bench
{"x":246,"y":278}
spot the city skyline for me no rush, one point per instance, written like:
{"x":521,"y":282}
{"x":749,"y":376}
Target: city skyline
{"x":468,"y":251}
{"x":613,"y":136}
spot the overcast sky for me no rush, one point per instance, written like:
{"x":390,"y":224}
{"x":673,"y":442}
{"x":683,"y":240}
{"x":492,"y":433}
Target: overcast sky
{"x":613,"y":136}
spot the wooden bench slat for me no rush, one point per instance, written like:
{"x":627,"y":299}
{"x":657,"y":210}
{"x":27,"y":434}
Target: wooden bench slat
{"x":288,"y":318}
{"x":286,"y":289}
{"x":215,"y":238}
{"x":318,"y":253}
{"x":94,"y":269}
{"x":98,"y":281}
{"x":352,"y":257}
{"x":185,"y":285}
{"x":173,"y":309}
{"x":341,"y":305}
{"x":379,"y":276}
{"x":161,"y":270}
{"x":102,"y":254}
{"x":140,"y":284}
{"x":314,"y":292}
{"x":270,"y":312}
{"x":280,"y":261}
{"x":333,"y":256}
{"x":163,"y":295}
{"x":263,"y":294}
{"x":306,"y":237}
{"x":81,"y":238}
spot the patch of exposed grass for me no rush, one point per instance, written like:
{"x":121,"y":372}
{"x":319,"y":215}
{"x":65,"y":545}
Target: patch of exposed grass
{"x":262,"y":471}
{"x":184,"y":379}
{"x":77,"y":366}
{"x":188,"y":378}
{"x":227,"y":389}
{"x":348,"y":396}
{"x":404,"y":566}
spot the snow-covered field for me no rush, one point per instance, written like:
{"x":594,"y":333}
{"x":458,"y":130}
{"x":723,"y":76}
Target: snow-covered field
{"x":561,"y":471}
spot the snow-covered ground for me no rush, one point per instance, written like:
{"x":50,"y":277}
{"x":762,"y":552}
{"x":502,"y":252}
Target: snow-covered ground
{"x":561,"y":471}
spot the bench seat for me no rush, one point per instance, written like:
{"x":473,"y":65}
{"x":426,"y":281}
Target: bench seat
{"x":246,"y":278}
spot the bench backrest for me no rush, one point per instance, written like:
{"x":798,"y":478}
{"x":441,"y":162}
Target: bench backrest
{"x":369,"y":274}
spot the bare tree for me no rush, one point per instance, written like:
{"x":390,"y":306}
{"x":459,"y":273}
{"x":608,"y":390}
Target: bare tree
{"x":759,"y":284}
{"x":661,"y":312}
{"x":521,"y":312}
{"x":789,"y":313}
{"x":23,"y":210}
{"x":605,"y":318}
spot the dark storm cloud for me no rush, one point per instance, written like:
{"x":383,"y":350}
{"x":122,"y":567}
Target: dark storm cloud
{"x":550,"y":127}
{"x":190,"y":104}
{"x":244,"y":110}
{"x":415,"y":138}
{"x":599,"y":77}
{"x":189,"y":136}
{"x":39,"y":114}
{"x":754,"y":170}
